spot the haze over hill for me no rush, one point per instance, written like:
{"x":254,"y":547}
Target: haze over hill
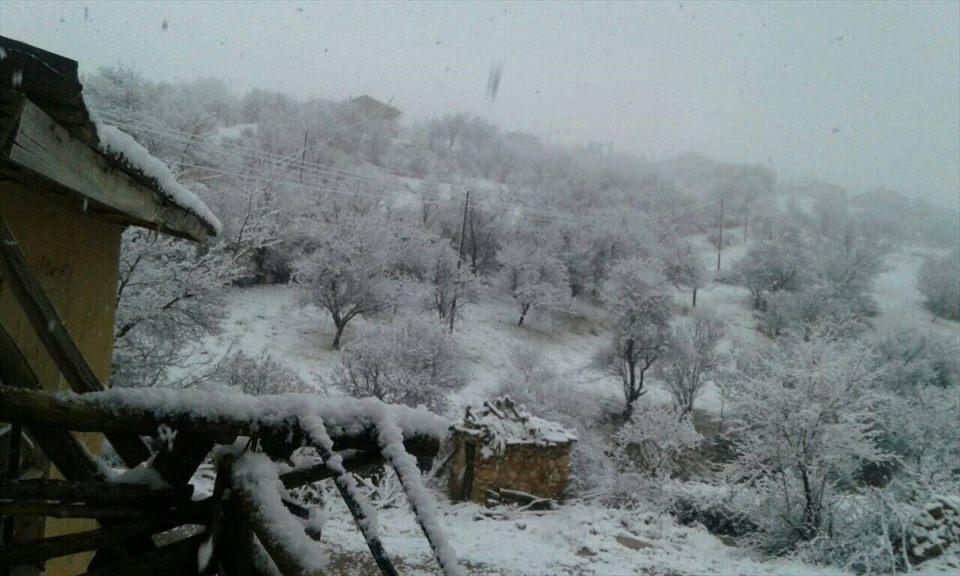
{"x":861,"y":95}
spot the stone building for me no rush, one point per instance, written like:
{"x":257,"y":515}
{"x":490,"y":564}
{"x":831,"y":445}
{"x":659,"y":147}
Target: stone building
{"x":501,"y":446}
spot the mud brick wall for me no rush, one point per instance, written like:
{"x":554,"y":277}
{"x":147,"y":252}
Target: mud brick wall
{"x":539,"y":470}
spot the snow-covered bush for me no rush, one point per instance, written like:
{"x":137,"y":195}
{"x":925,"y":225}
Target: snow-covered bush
{"x":654,"y":441}
{"x":258,"y":376}
{"x":938,"y":279}
{"x":805,"y":424}
{"x":409,"y":360}
{"x":915,"y":358}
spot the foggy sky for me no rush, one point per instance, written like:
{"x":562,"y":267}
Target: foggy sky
{"x":862,"y":95}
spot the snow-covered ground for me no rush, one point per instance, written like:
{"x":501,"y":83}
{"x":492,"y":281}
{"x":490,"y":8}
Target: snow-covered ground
{"x":575,"y":540}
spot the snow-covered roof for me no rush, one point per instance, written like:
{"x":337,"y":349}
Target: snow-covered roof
{"x":49,"y":131}
{"x":122,"y":148}
{"x":502,"y":422}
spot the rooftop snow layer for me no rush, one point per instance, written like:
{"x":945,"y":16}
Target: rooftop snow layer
{"x":123,"y":147}
{"x":502,"y":422}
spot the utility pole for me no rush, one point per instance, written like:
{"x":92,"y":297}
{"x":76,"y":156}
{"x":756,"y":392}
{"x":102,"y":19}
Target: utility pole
{"x":303,"y":155}
{"x":746,"y":220}
{"x":456,"y":285}
{"x":720,"y":235}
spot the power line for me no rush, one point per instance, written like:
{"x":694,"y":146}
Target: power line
{"x":323,"y":172}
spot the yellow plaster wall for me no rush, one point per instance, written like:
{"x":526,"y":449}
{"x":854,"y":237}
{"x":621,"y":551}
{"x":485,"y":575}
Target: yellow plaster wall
{"x":75,"y":257}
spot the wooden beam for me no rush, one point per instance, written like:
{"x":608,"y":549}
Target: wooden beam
{"x":67,"y":453}
{"x":56,"y":510}
{"x":287,"y":559}
{"x":79,"y":413}
{"x":49,"y":327}
{"x":115,"y":535}
{"x":92,"y":492}
{"x":46,"y":148}
{"x":178,"y":558}
{"x":355,"y":463}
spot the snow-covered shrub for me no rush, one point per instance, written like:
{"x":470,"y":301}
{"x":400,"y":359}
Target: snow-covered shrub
{"x":869,"y":534}
{"x":717,"y":507}
{"x":805,"y":424}
{"x":258,"y":376}
{"x":919,"y":428}
{"x":409,"y":360}
{"x":654,"y":442}
{"x":533,"y":277}
{"x":915,"y":358}
{"x":938,"y":279}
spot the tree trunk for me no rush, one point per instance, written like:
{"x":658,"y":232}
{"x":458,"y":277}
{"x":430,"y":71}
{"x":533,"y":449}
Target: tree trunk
{"x":523,"y":313}
{"x":694,"y":297}
{"x":338,"y":335}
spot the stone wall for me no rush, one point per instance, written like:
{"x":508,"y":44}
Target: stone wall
{"x":539,"y":470}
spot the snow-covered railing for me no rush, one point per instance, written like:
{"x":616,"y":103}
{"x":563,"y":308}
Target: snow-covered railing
{"x":277,"y":425}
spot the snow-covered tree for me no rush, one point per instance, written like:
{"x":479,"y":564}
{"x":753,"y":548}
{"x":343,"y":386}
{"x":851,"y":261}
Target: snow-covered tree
{"x":771,"y":266}
{"x":691,"y":358}
{"x":352,"y":266}
{"x":169,"y":296}
{"x":641,"y":310}
{"x":938,"y":279}
{"x":681,"y":266}
{"x":410,"y":360}
{"x":534,"y":278}
{"x":805,"y":424}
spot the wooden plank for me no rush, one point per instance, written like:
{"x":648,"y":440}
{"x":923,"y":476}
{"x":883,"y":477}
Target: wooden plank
{"x":115,"y":535}
{"x":93,"y":492}
{"x":67,"y":453}
{"x":286,"y":559}
{"x":354,"y":463}
{"x":56,"y":510}
{"x":46,"y":148}
{"x":48,"y":326}
{"x":178,"y":558}
{"x":78,"y":413}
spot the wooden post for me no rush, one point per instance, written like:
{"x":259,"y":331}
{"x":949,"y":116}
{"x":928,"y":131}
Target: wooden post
{"x":51,"y":331}
{"x":720,"y":235}
{"x":456,"y":285}
{"x":303,"y":155}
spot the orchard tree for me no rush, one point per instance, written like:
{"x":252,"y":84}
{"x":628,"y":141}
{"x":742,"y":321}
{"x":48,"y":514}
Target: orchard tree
{"x":347,"y":269}
{"x":806,"y":412}
{"x":169,"y":294}
{"x":534,"y":278}
{"x":691,"y":359}
{"x":641,"y":310}
{"x":681,"y":266}
{"x":771,"y":266}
